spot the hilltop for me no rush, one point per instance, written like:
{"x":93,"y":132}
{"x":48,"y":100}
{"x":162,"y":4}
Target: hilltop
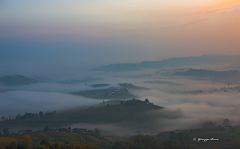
{"x":127,"y":112}
{"x":231,"y":76}
{"x":119,"y":92}
{"x":17,"y":80}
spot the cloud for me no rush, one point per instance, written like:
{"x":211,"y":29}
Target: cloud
{"x":201,"y":107}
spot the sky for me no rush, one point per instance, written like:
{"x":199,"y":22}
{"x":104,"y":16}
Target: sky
{"x":57,"y":35}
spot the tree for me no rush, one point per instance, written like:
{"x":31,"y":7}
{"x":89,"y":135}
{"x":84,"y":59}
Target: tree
{"x":12,"y":145}
{"x":24,"y":142}
{"x":225,"y":122}
{"x":54,"y":112}
{"x":46,"y":114}
{"x":44,"y":142}
{"x":55,"y":146}
{"x":157,"y":144}
{"x":97,"y":133}
{"x":146,"y":100}
{"x":6,"y":131}
{"x":40,"y":113}
{"x":3,"y":118}
{"x":130,"y":144}
{"x":76,"y":144}
{"x":88,"y":146}
{"x":46,"y":127}
{"x":69,"y":128}
{"x":117,"y":145}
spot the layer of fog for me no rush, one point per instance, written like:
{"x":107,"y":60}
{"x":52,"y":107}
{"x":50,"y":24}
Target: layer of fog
{"x":49,"y":87}
{"x":124,"y":130}
{"x":205,"y":107}
{"x":198,"y":108}
{"x":19,"y":102}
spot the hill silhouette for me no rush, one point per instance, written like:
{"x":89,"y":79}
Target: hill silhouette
{"x":16,"y":80}
{"x":135,"y":111}
{"x":173,"y":62}
{"x":231,"y":76}
{"x":120,"y":92}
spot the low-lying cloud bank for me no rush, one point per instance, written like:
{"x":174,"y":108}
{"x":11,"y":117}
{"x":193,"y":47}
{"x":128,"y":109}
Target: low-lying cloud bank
{"x":204,"y":107}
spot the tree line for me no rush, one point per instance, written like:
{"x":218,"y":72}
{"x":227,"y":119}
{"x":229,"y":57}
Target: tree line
{"x":140,"y":141}
{"x":29,"y":115}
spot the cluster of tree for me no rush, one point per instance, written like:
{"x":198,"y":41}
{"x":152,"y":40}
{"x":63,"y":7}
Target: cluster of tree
{"x":75,"y":145}
{"x":31,"y":115}
{"x":140,"y":141}
{"x":6,"y":131}
{"x":23,"y":142}
{"x":225,"y":122}
{"x":177,"y":141}
{"x":97,"y":132}
{"x":209,"y":124}
{"x":3,"y":118}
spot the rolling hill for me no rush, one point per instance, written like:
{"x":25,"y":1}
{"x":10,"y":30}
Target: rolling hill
{"x":126,"y":114}
{"x":16,"y":80}
{"x":173,"y":62}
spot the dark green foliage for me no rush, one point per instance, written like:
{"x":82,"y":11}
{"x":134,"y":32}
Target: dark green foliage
{"x":46,"y":127}
{"x":140,"y":142}
{"x":146,"y":100}
{"x":3,"y":118}
{"x":40,"y":113}
{"x":117,"y":145}
{"x":178,"y":137}
{"x":6,"y":131}
{"x":129,"y":111}
{"x":44,"y":142}
{"x":99,"y":85}
{"x":66,"y":142}
{"x":97,"y":133}
{"x":55,"y":146}
{"x":225,"y":122}
{"x":54,"y":112}
{"x":177,"y":141}
{"x":12,"y":145}
{"x":69,"y":128}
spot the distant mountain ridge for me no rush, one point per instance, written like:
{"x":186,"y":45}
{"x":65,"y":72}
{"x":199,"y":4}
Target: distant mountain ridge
{"x":230,"y":77}
{"x":181,"y":61}
{"x":16,"y":80}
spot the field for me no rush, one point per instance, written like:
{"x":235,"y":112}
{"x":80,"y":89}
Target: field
{"x":62,"y":138}
{"x":227,"y":139}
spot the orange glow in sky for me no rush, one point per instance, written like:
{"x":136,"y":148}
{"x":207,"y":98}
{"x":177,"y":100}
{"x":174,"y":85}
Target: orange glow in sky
{"x":213,"y":24}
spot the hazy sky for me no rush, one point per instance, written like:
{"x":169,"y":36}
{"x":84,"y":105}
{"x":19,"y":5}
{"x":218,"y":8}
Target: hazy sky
{"x":43,"y":34}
